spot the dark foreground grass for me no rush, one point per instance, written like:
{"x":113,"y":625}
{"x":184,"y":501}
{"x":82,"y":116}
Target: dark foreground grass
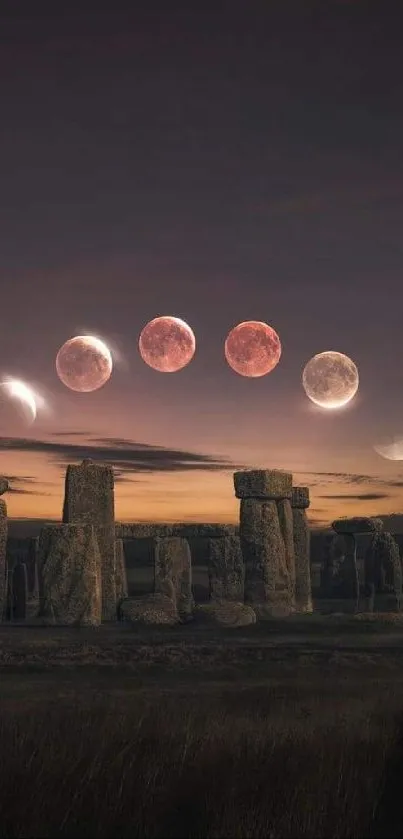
{"x":309,"y":758}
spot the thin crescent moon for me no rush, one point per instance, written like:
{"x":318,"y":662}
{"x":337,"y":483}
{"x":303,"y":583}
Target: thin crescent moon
{"x":16,"y":389}
{"x":391,"y":451}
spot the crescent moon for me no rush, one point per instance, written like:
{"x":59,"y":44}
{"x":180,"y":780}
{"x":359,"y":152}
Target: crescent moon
{"x":15,"y":389}
{"x":391,"y":451}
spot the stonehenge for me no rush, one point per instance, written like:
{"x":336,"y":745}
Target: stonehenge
{"x":76,"y":572}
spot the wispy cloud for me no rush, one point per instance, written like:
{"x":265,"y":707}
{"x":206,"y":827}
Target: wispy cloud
{"x":366,"y":496}
{"x":17,"y":485}
{"x":127,"y":455}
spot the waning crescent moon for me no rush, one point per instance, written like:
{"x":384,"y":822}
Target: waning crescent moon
{"x":391,"y":451}
{"x":15,"y":389}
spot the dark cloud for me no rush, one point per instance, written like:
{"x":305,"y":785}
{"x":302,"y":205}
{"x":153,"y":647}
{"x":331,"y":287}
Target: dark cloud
{"x":16,"y":488}
{"x":126,"y":455}
{"x":321,"y":478}
{"x":366,"y":496}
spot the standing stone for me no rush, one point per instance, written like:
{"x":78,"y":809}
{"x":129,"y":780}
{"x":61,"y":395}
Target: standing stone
{"x":3,"y":552}
{"x":303,"y":590}
{"x":69,"y":567}
{"x":173,"y":572}
{"x":351,"y":569}
{"x":9,"y":598}
{"x":89,"y":499}
{"x":285,"y":515}
{"x":225,"y":567}
{"x":268,"y":585}
{"x":32,"y":566}
{"x":121,"y":575}
{"x":20,"y":591}
{"x":383,"y":570}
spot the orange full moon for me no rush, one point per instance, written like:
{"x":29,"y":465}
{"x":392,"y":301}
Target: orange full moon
{"x":84,"y":363}
{"x":252,"y":348}
{"x":167,"y":344}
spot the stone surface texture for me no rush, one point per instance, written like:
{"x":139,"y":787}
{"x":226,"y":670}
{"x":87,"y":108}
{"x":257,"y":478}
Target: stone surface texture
{"x":173,"y":572}
{"x":155,"y":609}
{"x":300,"y":497}
{"x":3,"y":555}
{"x":356,"y":525}
{"x":20,"y":591}
{"x":69,"y":570}
{"x":285,"y":516}
{"x":225,"y":567}
{"x":302,"y":543}
{"x":383,"y":570}
{"x":272,"y":484}
{"x":267,"y":580}
{"x":121,"y":575}
{"x":225,"y":613}
{"x":3,"y":485}
{"x":89,"y":499}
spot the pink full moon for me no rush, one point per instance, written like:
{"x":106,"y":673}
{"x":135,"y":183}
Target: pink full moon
{"x":84,"y":363}
{"x":167,"y":344}
{"x":252,"y":348}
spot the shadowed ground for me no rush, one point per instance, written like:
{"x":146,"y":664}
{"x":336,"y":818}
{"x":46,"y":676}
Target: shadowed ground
{"x":286,"y":729}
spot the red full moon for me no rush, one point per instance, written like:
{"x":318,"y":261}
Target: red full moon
{"x":84,"y":363}
{"x":252,"y":348}
{"x":167,"y":344}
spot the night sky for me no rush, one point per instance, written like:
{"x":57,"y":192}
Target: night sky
{"x":217,"y":162}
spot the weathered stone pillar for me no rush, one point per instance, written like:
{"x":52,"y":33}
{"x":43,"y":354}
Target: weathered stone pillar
{"x":69,"y":566}
{"x":20,"y":591}
{"x":3,"y":549}
{"x":225,"y":567}
{"x":303,"y":590}
{"x":383,"y":570}
{"x":173,"y":572}
{"x":268,"y":583}
{"x":121,"y":575}
{"x":89,"y":499}
{"x":285,"y":515}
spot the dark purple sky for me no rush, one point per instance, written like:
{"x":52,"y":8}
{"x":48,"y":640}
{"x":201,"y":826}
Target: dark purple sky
{"x":240,"y":161}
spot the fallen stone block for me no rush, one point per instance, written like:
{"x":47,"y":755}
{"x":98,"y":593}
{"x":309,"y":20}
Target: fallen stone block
{"x":225,"y":613}
{"x":151,"y":609}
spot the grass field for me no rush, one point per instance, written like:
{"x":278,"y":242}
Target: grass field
{"x":292,"y":729}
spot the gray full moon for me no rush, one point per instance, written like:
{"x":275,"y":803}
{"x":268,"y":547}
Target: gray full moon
{"x":330,"y":379}
{"x":252,"y":348}
{"x":167,"y":344}
{"x":84,"y":363}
